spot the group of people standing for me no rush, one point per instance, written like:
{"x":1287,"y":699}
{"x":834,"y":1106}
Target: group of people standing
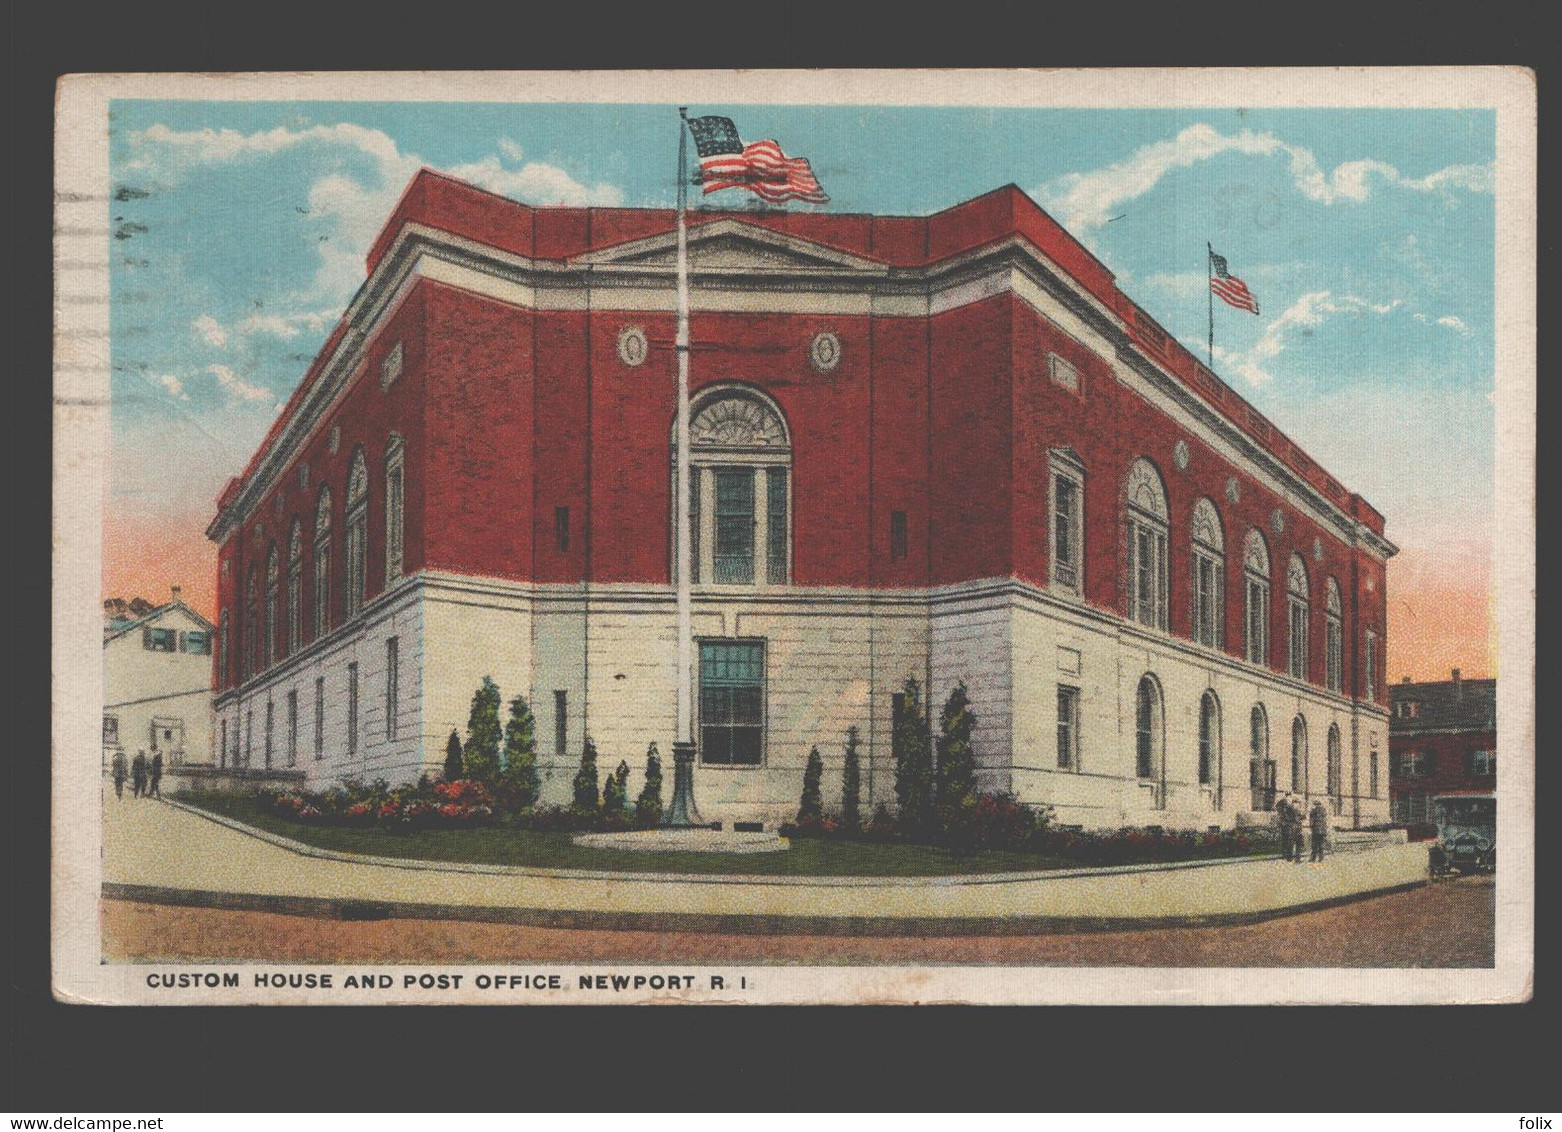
{"x":1293,"y":815}
{"x":145,"y":777}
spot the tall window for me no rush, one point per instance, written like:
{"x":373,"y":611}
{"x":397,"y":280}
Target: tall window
{"x":295,"y":588}
{"x":732,"y":703}
{"x":1209,"y":558}
{"x":1298,"y":607}
{"x":1067,"y":491}
{"x":322,"y":611}
{"x":899,"y":536}
{"x":1255,"y":584}
{"x":740,"y":506}
{"x":319,"y":718}
{"x":1147,"y":524}
{"x":357,"y":535}
{"x":224,"y":676}
{"x":1068,"y":727}
{"x":1372,"y":771}
{"x":392,"y":688}
{"x":222,"y":758}
{"x":1299,"y":775}
{"x":1147,"y":729}
{"x":1209,"y":737}
{"x":249,"y":735}
{"x":352,"y":709}
{"x":1333,"y":637}
{"x":251,"y":621}
{"x":292,"y":728}
{"x":395,"y":507}
{"x":560,"y":722}
{"x":270,"y":730}
{"x":1335,"y":770}
{"x":561,"y":529}
{"x":273,"y":581}
{"x":1370,"y":688}
{"x":1261,"y":767}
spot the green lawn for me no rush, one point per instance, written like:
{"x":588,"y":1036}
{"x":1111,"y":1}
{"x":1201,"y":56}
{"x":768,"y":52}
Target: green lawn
{"x":500,"y":845}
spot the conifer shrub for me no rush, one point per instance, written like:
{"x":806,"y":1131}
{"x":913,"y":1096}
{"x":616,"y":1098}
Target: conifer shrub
{"x":453,"y":766}
{"x":519,"y":782}
{"x":955,"y":777}
{"x":480,"y":754}
{"x":913,"y":763}
{"x":648,"y":806}
{"x":851,"y":784}
{"x":811,"y":811}
{"x":586,"y":795}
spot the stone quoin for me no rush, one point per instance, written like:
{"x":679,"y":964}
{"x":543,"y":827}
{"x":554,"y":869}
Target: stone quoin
{"x":944,"y":447}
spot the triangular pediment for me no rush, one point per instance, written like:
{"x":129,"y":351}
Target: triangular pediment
{"x":733,"y":246}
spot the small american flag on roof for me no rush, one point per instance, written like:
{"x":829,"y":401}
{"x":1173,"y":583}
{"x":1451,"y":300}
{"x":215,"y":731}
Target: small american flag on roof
{"x":1227,"y":287}
{"x":760,"y":167}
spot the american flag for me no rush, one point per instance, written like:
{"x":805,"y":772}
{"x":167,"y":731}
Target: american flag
{"x":1227,"y":287}
{"x":760,"y":167}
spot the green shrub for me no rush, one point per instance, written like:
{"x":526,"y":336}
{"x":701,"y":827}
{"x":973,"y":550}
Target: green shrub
{"x":913,"y":762}
{"x":453,"y":766}
{"x":586,"y":797}
{"x":519,"y":782}
{"x":648,"y":806}
{"x":615,"y":792}
{"x":851,"y":783}
{"x":955,"y":778}
{"x":480,"y":755}
{"x":811,"y":812}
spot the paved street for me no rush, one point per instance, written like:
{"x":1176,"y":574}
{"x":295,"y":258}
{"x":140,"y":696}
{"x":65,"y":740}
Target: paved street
{"x":1446,"y":924}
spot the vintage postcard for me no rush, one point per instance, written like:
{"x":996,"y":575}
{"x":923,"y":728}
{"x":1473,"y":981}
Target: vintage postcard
{"x":686,"y":537}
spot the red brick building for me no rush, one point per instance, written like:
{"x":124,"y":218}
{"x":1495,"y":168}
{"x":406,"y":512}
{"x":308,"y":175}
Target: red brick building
{"x":943,"y":447}
{"x":1442,"y":740}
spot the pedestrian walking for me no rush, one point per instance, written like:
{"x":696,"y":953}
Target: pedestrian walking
{"x":138,"y":774}
{"x":1298,"y":819}
{"x":1318,"y":819}
{"x":154,"y":788}
{"x":1283,"y":824}
{"x":119,"y":774}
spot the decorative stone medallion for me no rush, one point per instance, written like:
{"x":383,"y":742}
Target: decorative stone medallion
{"x":1180,"y":454}
{"x":632,"y":345}
{"x":334,"y":441}
{"x":1277,"y":522}
{"x":1233,"y":490}
{"x":825,"y":352}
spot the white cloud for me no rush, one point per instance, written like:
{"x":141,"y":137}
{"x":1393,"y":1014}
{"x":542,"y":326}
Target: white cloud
{"x":355,"y":206}
{"x":174,"y":386}
{"x":1449,"y":321}
{"x":1084,"y":201}
{"x":1302,"y":316}
{"x":238,"y":387}
{"x":211,"y":331}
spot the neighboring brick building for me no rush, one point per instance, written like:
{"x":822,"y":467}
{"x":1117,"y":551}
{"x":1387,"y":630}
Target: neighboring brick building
{"x":945,"y":447}
{"x":1442,"y":740}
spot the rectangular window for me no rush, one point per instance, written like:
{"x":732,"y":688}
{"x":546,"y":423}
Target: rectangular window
{"x":319,"y":718}
{"x":392,"y":692}
{"x":160,"y":640}
{"x":295,"y":612}
{"x":1067,"y":531}
{"x":395,"y":526}
{"x":1372,"y":773}
{"x":249,"y":736}
{"x":734,"y":549}
{"x":292,"y":728}
{"x":270,"y":721}
{"x":1483,"y":763}
{"x":1332,"y":653}
{"x":1206,"y":600}
{"x":732,"y":698}
{"x":1068,"y":727}
{"x":222,"y":758}
{"x":1257,"y":622}
{"x":1370,"y":691}
{"x":1147,"y":574}
{"x":776,"y":526}
{"x":561,"y":529}
{"x":198,"y":642}
{"x":322,"y":588}
{"x":110,"y":729}
{"x":356,"y":531}
{"x":898,"y":536}
{"x":1298,"y":640}
{"x":352,"y":709}
{"x":560,"y":721}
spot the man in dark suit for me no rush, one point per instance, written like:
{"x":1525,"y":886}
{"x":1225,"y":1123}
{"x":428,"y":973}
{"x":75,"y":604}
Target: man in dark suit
{"x":119,"y":774}
{"x":138,"y":774}
{"x":1318,"y":819}
{"x":154,"y":789}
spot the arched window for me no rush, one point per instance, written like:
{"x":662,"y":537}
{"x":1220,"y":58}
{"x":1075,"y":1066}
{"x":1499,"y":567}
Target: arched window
{"x":1255,"y":587}
{"x":322,"y":620}
{"x":740,"y":506}
{"x":251,"y":621}
{"x":1336,"y":771}
{"x":224,"y":632}
{"x":1299,"y":607}
{"x":1333,"y":637}
{"x":1209,"y":740}
{"x":273,"y":580}
{"x":1209,"y":559}
{"x":1261,"y":768}
{"x":357,"y":534}
{"x":295,"y":587}
{"x":1148,"y":729}
{"x":1147,"y":523}
{"x":395,"y":507}
{"x":1299,"y":783}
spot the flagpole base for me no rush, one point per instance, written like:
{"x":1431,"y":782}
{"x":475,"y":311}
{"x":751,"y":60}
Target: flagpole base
{"x":682,"y":813}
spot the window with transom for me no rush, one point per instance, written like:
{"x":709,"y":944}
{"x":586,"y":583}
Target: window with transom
{"x":1147,"y":527}
{"x":1209,"y":558}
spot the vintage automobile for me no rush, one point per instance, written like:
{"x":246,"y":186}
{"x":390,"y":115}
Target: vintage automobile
{"x":1466,"y":833}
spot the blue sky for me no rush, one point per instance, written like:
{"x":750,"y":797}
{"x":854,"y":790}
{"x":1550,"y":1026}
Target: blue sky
{"x":1367,"y":235}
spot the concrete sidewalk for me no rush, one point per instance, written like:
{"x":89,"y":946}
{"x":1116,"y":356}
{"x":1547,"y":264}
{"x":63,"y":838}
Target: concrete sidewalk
{"x":167,"y":854}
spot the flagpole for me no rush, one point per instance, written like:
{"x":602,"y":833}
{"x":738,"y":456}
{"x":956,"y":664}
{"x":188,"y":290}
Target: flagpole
{"x":1209,"y":292}
{"x":682,"y":810}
